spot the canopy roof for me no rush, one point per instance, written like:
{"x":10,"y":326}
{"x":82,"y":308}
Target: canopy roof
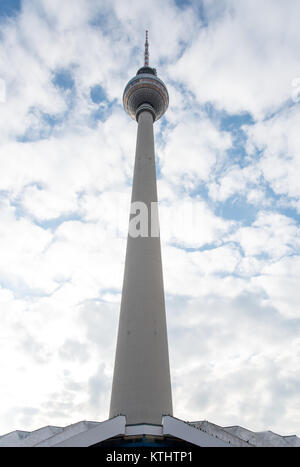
{"x":202,"y":433}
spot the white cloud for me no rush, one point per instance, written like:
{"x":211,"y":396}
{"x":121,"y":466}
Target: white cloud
{"x":271,"y":234}
{"x":234,"y":360}
{"x":278,"y":139}
{"x":192,"y":149}
{"x":21,"y":249}
{"x":237,"y":62}
{"x":234,"y":181}
{"x":280,"y":281}
{"x":190,"y":223}
{"x":202,"y":273}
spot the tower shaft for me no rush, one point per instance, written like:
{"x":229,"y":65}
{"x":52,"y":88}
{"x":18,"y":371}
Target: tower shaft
{"x":141,"y":384}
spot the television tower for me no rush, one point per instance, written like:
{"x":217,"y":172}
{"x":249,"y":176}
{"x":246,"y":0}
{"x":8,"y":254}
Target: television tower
{"x":141,"y":399}
{"x":141,"y":387}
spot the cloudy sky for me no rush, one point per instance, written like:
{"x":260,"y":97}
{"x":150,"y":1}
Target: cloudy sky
{"x":228,"y":165}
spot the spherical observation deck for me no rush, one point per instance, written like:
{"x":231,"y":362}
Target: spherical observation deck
{"x":146,"y":90}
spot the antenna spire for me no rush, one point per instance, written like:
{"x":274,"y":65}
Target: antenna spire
{"x":146,"y":50}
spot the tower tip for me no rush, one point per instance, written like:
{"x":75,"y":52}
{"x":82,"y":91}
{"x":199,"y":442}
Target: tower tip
{"x":146,"y":50}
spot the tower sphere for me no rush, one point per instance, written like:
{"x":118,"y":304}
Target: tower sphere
{"x":143,"y":91}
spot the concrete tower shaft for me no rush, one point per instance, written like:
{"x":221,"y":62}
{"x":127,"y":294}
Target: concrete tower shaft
{"x":141,"y":387}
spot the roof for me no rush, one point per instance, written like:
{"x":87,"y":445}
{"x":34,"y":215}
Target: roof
{"x":201,"y":433}
{"x":238,"y":435}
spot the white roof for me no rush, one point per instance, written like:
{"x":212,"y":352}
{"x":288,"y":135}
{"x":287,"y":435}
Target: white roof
{"x":202,"y":433}
{"x":241,"y":436}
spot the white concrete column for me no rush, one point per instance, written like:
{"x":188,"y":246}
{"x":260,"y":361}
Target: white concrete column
{"x":141,"y":384}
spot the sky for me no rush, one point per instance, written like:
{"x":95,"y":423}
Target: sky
{"x":228,"y":166}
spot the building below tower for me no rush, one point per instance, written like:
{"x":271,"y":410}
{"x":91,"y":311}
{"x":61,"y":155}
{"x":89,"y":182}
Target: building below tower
{"x":172,"y":434}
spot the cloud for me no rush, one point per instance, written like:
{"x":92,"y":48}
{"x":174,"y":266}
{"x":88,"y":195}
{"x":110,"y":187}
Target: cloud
{"x":279,"y":280}
{"x":233,"y":355}
{"x":278,"y":141}
{"x":188,"y":158}
{"x":190,"y":223}
{"x":72,"y":350}
{"x":237,"y":181}
{"x":271,"y":234}
{"x":233,"y":64}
